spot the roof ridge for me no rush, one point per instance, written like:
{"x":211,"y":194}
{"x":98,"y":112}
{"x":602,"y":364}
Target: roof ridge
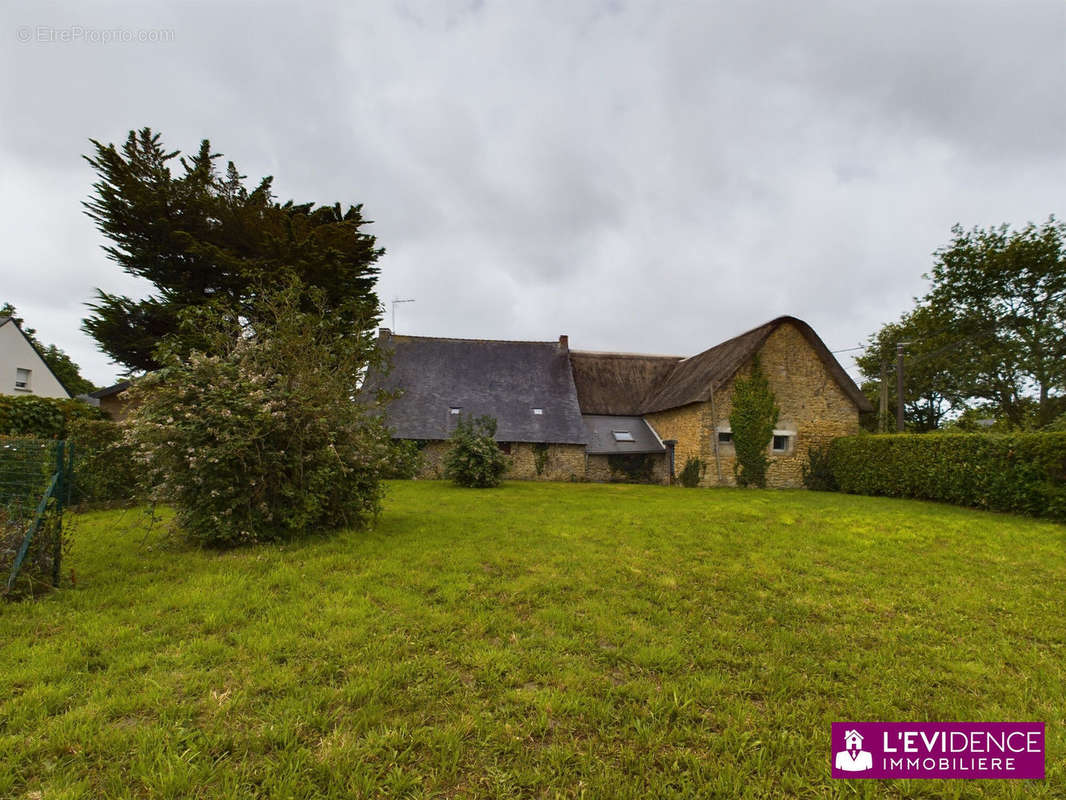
{"x":624,"y":355}
{"x":553,"y":342}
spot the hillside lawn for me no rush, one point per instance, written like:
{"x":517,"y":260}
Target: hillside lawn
{"x":540,"y":640}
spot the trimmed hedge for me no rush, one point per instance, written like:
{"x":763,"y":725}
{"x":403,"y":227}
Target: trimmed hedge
{"x":1024,"y":473}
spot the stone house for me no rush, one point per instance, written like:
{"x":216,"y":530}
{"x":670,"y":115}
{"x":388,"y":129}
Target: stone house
{"x":567,"y":414}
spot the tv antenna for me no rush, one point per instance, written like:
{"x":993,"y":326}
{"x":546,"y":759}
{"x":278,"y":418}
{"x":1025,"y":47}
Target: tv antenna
{"x":394,"y":303}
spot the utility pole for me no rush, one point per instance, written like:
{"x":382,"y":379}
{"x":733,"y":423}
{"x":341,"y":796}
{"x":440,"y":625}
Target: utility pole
{"x":394,"y":302}
{"x":899,"y":386}
{"x":882,"y":408}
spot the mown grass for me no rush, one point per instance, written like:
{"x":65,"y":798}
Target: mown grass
{"x":534,"y":641}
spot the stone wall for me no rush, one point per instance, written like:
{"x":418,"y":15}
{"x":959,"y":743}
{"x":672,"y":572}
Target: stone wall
{"x":563,"y":462}
{"x":812,"y":405}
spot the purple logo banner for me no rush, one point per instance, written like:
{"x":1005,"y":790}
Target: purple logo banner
{"x":938,"y":750}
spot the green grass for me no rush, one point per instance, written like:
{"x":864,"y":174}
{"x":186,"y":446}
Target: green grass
{"x":540,"y":640}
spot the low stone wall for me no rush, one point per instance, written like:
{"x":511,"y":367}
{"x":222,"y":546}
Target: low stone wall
{"x":558,"y":462}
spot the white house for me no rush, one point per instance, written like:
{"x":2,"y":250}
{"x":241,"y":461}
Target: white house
{"x":22,"y":370}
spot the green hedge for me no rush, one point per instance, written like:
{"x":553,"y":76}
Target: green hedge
{"x":44,"y":417}
{"x":105,"y":472}
{"x":1023,"y":473}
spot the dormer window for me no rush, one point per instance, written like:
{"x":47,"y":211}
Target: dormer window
{"x":623,"y":436}
{"x":537,"y":412}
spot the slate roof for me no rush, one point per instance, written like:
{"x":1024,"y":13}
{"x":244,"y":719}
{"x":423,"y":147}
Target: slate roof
{"x":506,"y":380}
{"x":600,"y":430}
{"x":108,"y":391}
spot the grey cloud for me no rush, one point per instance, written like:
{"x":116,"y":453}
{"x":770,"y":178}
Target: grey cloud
{"x":640,"y":176}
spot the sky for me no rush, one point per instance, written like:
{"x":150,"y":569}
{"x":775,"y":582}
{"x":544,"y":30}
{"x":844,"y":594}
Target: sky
{"x":642,"y":176}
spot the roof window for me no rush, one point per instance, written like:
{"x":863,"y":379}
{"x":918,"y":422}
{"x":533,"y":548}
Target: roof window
{"x":454,"y":410}
{"x":538,"y":412}
{"x":623,"y":436}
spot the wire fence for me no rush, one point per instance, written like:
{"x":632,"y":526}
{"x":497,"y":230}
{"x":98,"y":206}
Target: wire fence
{"x":35,"y":483}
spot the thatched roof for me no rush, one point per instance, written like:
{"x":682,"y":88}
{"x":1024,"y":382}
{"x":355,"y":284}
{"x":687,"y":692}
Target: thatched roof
{"x":693,"y":379}
{"x":617,"y":383}
{"x":505,"y":380}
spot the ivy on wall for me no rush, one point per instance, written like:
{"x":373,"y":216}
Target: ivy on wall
{"x":752,"y":421}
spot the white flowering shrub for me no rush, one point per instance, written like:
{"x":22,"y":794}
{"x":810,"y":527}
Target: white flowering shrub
{"x":269,"y":437}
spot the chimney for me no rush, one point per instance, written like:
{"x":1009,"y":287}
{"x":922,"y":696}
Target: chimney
{"x":564,"y":343}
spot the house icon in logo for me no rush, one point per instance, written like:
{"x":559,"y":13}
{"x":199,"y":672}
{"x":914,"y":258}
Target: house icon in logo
{"x":853,"y":758}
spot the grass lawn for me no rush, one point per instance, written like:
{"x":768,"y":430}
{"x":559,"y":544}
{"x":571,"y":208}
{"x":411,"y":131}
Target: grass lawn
{"x":540,"y":640}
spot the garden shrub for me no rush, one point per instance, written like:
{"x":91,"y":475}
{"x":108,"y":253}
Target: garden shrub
{"x":105,"y":470}
{"x":818,"y":471}
{"x":1023,"y":472}
{"x":474,"y":459}
{"x":270,"y":436}
{"x":752,"y":422}
{"x":405,"y":459}
{"x":693,"y":471}
{"x":45,"y":417}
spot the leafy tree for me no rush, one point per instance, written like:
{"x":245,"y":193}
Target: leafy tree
{"x":752,"y":421}
{"x":268,"y":435}
{"x":59,"y":362}
{"x":1005,"y":295}
{"x":475,"y":460}
{"x":932,"y":388}
{"x":202,"y":239}
{"x":990,"y":333}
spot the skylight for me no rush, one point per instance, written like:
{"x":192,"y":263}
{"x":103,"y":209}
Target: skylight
{"x":538,"y":411}
{"x":623,"y":436}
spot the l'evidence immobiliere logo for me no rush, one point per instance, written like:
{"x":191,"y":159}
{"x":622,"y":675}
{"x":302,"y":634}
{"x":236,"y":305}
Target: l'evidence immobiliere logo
{"x":1011,"y":750}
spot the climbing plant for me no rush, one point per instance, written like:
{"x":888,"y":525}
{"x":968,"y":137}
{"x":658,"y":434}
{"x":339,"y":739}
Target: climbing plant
{"x":752,"y":421}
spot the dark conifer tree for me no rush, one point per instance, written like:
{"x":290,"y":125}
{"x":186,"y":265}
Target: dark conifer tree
{"x":201,"y":238}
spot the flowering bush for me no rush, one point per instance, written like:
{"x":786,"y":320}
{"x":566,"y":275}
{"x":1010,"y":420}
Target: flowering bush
{"x":269,"y":437}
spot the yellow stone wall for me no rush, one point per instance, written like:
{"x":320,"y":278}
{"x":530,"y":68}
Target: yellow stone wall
{"x":811,"y":403}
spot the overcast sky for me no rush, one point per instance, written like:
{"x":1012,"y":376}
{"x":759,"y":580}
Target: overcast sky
{"x":648,"y":177}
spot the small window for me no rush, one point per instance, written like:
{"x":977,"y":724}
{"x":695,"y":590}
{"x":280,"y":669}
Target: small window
{"x":623,"y":436}
{"x":538,"y":412}
{"x":725,"y":437}
{"x":780,"y":443}
{"x":505,"y":447}
{"x":22,"y":378}
{"x":454,"y":410}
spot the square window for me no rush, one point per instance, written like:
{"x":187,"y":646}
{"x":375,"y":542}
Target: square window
{"x":725,"y":437}
{"x":780,"y":443}
{"x":454,"y":410}
{"x":623,"y":436}
{"x":538,"y":412}
{"x":22,"y":378}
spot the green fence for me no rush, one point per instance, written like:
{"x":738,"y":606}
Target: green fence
{"x":35,"y":482}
